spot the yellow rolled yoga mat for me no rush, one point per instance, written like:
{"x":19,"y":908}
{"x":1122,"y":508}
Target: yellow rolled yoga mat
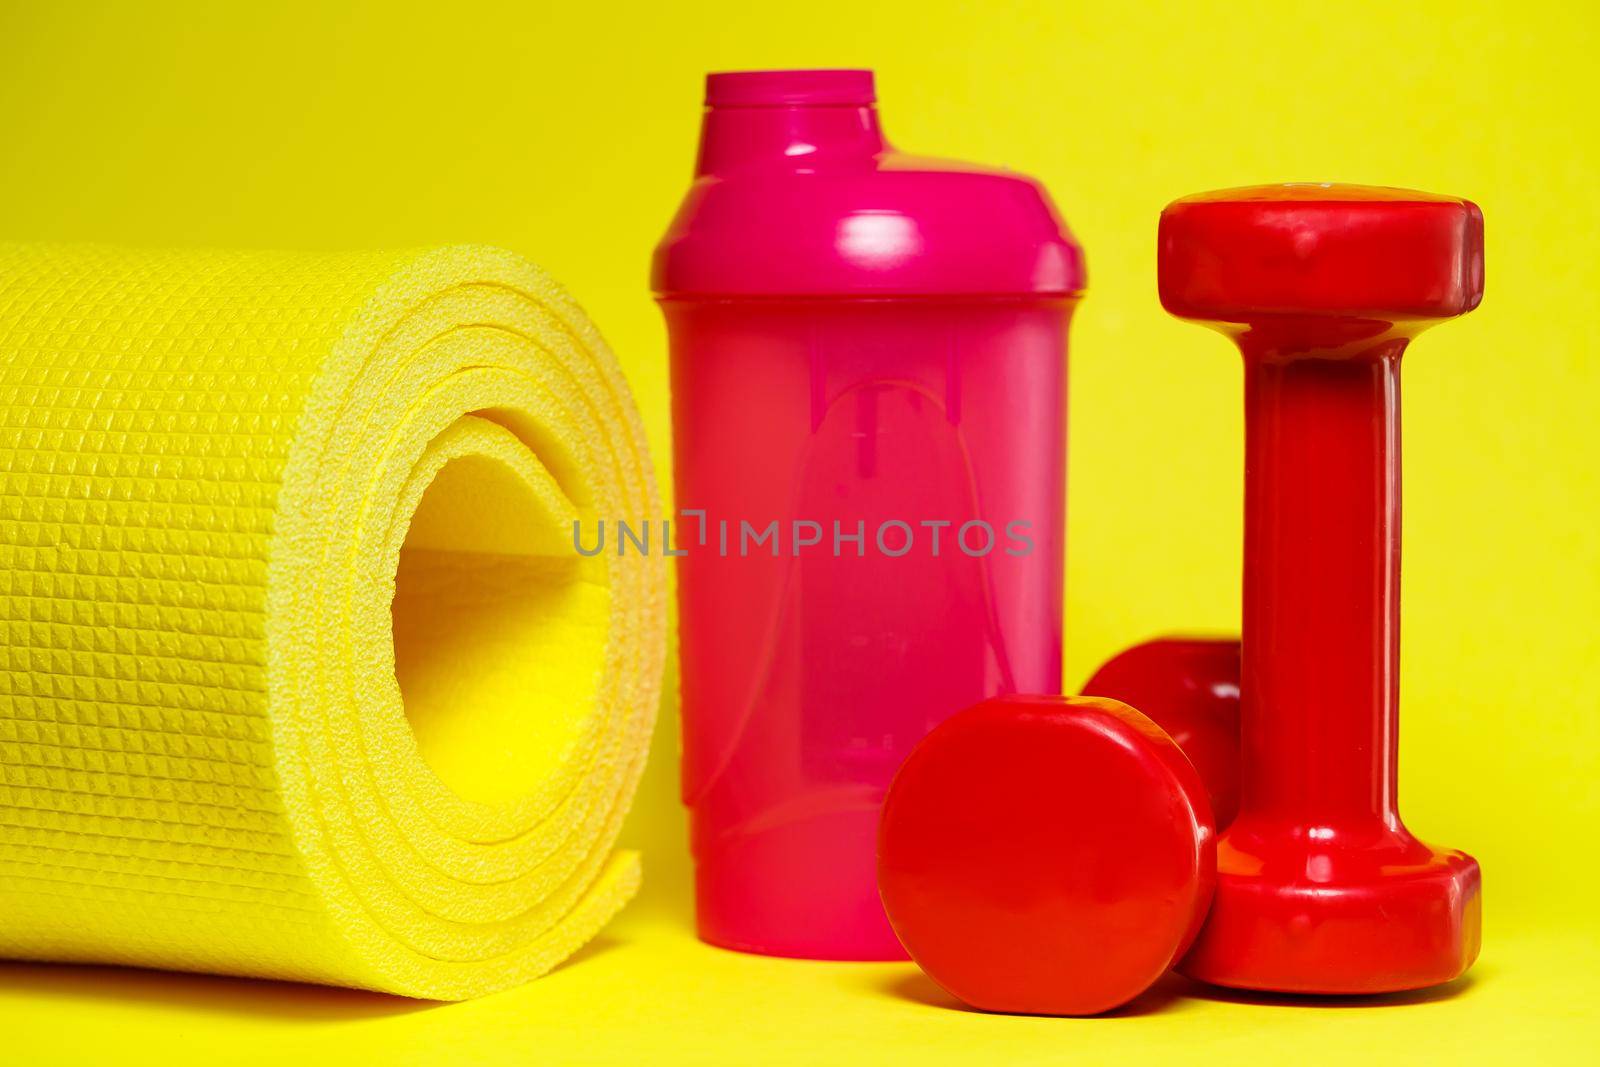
{"x":301,"y":675}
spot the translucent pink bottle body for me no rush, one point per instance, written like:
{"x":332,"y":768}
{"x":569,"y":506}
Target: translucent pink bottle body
{"x":870,"y":494}
{"x":868,"y":376}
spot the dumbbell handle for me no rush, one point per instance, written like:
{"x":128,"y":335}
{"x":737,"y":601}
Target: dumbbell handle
{"x":1321,"y":590}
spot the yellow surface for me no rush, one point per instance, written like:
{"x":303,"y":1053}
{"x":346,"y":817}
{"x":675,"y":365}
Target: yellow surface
{"x":225,"y":479}
{"x":567,"y":131}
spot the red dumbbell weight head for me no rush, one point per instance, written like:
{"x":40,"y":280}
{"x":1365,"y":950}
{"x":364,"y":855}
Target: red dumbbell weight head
{"x":1188,"y":686}
{"x":1046,"y":855}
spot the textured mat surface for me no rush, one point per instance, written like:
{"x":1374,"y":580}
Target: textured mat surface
{"x":300,"y":674}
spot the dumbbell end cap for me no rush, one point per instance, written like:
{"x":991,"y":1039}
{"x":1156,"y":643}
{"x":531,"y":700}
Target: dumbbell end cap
{"x":1046,"y":855}
{"x":1291,"y":915}
{"x":1189,"y":686}
{"x":1314,"y":250}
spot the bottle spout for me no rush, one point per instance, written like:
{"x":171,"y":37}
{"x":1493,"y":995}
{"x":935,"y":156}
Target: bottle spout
{"x":788,"y":118}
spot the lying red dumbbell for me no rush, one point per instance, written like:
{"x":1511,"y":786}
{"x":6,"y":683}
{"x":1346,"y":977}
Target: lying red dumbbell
{"x":1046,"y":855}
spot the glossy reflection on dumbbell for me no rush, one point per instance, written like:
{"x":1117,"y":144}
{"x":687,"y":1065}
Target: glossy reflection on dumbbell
{"x":1321,"y":889}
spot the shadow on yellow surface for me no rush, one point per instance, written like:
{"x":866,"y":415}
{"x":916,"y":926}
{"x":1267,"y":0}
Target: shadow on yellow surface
{"x":1448,"y":991}
{"x":224,"y":995}
{"x":649,"y":992}
{"x":86,"y":986}
{"x":918,"y":988}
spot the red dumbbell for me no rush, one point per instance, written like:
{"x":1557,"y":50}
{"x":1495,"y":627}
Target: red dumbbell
{"x":1188,"y":686}
{"x":1321,"y":889}
{"x":1046,"y":855}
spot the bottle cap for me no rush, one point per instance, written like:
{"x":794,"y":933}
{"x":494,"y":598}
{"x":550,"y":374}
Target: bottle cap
{"x":790,"y":88}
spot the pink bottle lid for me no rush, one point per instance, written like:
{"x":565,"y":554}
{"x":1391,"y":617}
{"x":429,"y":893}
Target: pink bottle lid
{"x":797,"y":193}
{"x":791,"y":88}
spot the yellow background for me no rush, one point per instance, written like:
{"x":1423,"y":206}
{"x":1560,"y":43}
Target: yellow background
{"x":567,"y":132}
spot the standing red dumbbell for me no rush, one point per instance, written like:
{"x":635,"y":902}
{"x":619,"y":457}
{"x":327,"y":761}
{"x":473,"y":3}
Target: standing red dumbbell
{"x":1321,"y":889}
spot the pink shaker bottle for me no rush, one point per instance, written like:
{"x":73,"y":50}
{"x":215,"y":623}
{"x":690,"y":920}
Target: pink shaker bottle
{"x":869,"y":397}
